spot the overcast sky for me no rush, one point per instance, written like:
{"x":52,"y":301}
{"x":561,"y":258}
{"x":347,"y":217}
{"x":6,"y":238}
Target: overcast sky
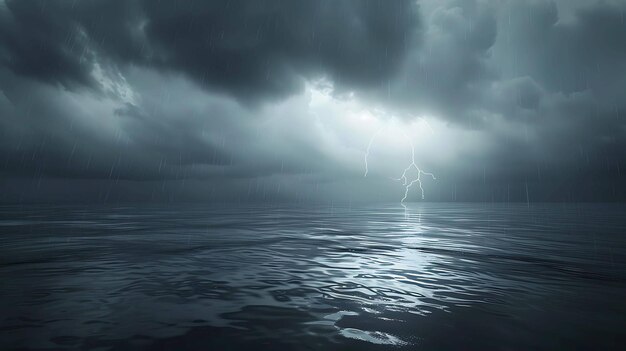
{"x":279,"y":100}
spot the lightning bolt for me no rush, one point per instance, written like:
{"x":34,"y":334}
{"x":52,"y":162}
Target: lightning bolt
{"x":369,"y":146}
{"x":404,"y":178}
{"x":408,"y":184}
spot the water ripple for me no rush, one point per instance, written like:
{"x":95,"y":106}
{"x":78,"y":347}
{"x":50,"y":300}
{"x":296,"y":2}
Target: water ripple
{"x":437,"y":276}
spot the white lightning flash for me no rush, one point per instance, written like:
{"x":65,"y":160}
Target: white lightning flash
{"x":404,"y":178}
{"x":369,"y":146}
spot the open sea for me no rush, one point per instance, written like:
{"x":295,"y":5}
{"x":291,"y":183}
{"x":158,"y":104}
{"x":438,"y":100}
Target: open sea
{"x":434,"y":276}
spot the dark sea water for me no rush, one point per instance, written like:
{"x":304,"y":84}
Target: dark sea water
{"x":433,"y":277}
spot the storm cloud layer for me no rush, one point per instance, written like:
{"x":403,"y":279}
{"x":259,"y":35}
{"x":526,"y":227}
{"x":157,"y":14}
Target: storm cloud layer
{"x":278,"y":100}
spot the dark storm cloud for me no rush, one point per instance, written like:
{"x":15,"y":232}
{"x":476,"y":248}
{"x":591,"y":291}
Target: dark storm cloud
{"x":250,"y":49}
{"x":54,"y":40}
{"x":533,"y":92}
{"x":87,"y":135}
{"x":544,"y":79}
{"x":447,"y":74}
{"x":572,"y":94}
{"x":585,"y":52}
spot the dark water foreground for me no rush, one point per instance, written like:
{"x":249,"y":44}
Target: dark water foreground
{"x":436,"y":277}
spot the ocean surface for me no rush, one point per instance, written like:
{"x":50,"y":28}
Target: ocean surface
{"x":281,"y":277}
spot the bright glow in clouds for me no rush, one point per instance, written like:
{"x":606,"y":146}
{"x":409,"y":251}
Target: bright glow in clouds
{"x":404,"y":178}
{"x":391,"y":133}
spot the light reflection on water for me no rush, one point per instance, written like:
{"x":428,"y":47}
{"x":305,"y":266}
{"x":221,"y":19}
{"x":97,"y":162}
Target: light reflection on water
{"x":433,"y":276}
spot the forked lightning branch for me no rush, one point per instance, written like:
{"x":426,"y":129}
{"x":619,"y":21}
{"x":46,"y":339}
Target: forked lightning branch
{"x":405,"y":178}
